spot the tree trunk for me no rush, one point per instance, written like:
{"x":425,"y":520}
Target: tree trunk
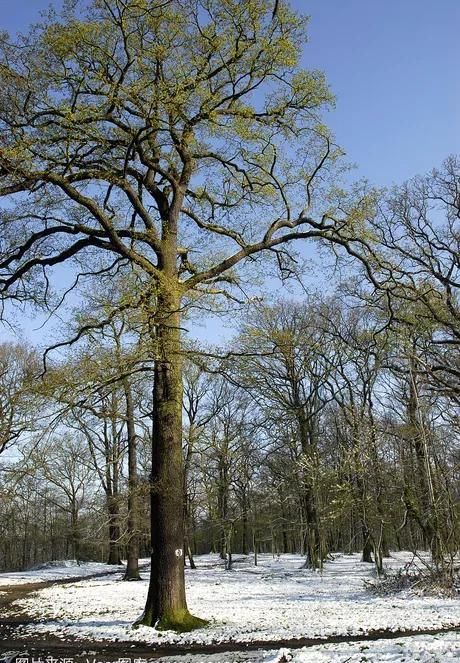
{"x":383,"y":548}
{"x":367,"y":545}
{"x":75,"y":533}
{"x":132,"y":567}
{"x":114,"y":530}
{"x":245,"y":527}
{"x":228,"y":549}
{"x":111,"y":481}
{"x":190,"y":555}
{"x":166,"y":606}
{"x":425,"y":512}
{"x":222,"y":505}
{"x":283,"y":521}
{"x":187,"y":533}
{"x":313,"y":540}
{"x":187,"y":499}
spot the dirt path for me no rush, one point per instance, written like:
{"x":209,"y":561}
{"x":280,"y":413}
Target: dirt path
{"x":86,"y":651}
{"x":11,"y":616}
{"x":11,"y":593}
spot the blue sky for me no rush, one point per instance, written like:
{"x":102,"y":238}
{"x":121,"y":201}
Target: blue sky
{"x":393,"y":66}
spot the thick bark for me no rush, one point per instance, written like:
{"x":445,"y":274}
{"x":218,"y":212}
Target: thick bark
{"x":132,"y":567}
{"x":166,"y":606}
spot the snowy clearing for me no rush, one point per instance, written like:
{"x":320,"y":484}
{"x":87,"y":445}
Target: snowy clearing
{"x":58,"y":570}
{"x":422,"y":648}
{"x":275,"y":600}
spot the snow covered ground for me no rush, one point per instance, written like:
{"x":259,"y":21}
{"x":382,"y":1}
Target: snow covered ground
{"x":58,"y":570}
{"x":275,"y":600}
{"x":422,"y":648}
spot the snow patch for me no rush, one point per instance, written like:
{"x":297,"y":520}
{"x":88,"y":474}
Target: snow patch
{"x":59,"y":570}
{"x":421,"y":649}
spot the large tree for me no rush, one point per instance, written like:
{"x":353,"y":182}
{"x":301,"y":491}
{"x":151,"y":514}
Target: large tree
{"x":181,"y":138}
{"x":287,"y":375}
{"x":417,"y":283}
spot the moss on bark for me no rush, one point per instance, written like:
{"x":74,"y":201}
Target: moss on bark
{"x":180,"y":621}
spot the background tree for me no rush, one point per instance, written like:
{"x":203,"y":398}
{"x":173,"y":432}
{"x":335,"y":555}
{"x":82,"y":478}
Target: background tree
{"x":19,"y":367}
{"x":63,"y":464}
{"x":286,"y":374}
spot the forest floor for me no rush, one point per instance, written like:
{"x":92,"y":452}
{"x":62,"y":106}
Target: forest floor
{"x":253,"y":611}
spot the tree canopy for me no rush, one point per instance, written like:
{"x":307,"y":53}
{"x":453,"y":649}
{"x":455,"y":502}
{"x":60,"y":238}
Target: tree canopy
{"x":126,"y":122}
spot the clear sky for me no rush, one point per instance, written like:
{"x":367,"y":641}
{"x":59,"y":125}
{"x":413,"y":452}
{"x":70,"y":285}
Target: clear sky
{"x":394,"y":67}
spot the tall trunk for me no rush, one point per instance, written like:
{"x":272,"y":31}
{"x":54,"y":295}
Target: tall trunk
{"x":367,"y":544}
{"x":112,"y":481}
{"x":360,"y":481}
{"x":132,"y":567}
{"x":384,"y":550}
{"x":425,"y":511}
{"x":361,"y":491}
{"x":283,"y":519}
{"x":312,"y":543}
{"x":75,"y":532}
{"x":25,"y":546}
{"x":228,"y":548}
{"x":188,"y":531}
{"x":313,"y":540}
{"x":190,"y":554}
{"x":245,"y":524}
{"x":187,"y":500}
{"x":222,"y":505}
{"x":166,"y":606}
{"x":114,"y":529}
